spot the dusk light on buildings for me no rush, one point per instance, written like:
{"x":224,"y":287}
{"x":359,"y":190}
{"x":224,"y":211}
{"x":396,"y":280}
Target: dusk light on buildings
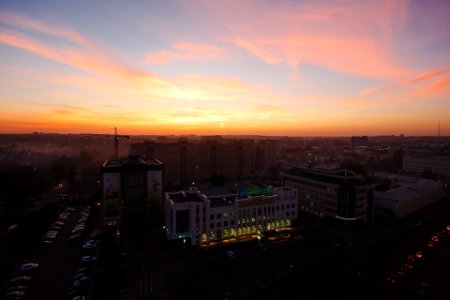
{"x":224,"y":150}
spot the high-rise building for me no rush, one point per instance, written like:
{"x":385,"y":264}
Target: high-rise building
{"x":131,"y":186}
{"x":187,"y":162}
{"x":337,"y":194}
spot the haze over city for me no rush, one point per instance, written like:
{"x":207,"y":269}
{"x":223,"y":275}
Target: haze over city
{"x":300,"y":68}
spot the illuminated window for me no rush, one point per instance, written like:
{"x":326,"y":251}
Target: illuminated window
{"x":288,"y":222}
{"x":225,"y":233}
{"x":212,"y":235}
{"x":232,"y":232}
{"x":253,"y":229}
{"x":204,"y":237}
{"x":248,"y":230}
{"x":239,"y":232}
{"x":282,"y":223}
{"x":268,"y":226}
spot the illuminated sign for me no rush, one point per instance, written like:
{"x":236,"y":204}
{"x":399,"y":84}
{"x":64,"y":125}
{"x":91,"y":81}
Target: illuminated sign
{"x":256,"y":191}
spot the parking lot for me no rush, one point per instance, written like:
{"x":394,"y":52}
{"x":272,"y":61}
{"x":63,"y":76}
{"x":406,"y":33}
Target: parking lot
{"x":58,"y":259}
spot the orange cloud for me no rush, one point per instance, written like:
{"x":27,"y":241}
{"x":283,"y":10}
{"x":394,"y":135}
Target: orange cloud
{"x":186,"y":51}
{"x":440,"y":85}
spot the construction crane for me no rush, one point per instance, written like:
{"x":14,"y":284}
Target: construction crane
{"x":116,"y":141}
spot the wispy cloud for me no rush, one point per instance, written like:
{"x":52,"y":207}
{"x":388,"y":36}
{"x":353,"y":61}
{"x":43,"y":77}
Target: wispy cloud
{"x":354,"y":37}
{"x":423,"y":77}
{"x":79,"y":52}
{"x":186,"y":51}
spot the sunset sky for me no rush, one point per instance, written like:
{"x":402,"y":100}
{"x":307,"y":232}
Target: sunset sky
{"x":301,"y":68}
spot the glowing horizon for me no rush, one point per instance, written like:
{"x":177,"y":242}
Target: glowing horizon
{"x":297,"y":68}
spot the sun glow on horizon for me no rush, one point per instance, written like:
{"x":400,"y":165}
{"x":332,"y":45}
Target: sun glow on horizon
{"x":283,"y":68}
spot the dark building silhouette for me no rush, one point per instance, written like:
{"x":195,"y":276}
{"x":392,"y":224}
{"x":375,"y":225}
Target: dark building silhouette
{"x":337,"y":194}
{"x":186,"y":162}
{"x":131,"y":186}
{"x":358,"y":141}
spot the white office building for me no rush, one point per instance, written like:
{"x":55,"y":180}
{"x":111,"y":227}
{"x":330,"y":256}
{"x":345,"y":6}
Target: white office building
{"x":195,"y":218}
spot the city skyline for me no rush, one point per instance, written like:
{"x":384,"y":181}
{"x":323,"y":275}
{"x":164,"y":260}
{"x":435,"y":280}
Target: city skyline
{"x":271,"y":68}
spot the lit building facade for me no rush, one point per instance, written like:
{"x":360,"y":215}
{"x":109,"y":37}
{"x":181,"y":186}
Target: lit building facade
{"x":195,"y":219}
{"x":337,"y":194}
{"x":131,"y":186}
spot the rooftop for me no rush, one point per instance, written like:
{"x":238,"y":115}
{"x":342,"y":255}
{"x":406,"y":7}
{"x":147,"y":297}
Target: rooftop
{"x":336,"y":177}
{"x":184,"y":197}
{"x":131,"y":162}
{"x":409,"y":191}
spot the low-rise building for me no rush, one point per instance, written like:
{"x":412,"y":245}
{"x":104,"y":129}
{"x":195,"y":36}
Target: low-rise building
{"x":195,"y":218}
{"x":424,"y":162}
{"x":340,"y":194}
{"x":404,"y":194}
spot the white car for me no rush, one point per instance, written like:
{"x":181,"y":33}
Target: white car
{"x":88,"y":258}
{"x":21,"y":279}
{"x":89,"y":246}
{"x":29,"y":266}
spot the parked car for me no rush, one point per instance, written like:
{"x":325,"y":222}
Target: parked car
{"x":15,"y":294}
{"x":88,"y":258}
{"x":89,"y":246}
{"x":21,"y":288}
{"x":29,"y":266}
{"x":21,"y":279}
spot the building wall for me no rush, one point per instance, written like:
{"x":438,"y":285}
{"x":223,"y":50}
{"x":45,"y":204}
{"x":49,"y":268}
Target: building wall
{"x":406,"y":199}
{"x":324,"y":199}
{"x":243,"y":217}
{"x":417,"y":163}
{"x":190,"y":162}
{"x":132,"y":187}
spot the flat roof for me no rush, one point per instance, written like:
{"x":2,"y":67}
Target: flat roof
{"x":223,"y":201}
{"x":409,"y":191}
{"x":335,"y":177}
{"x":183,"y":197}
{"x":230,"y":188}
{"x":131,"y":162}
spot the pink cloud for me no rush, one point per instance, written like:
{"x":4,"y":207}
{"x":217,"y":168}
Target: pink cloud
{"x":344,"y":54}
{"x":353,"y":37}
{"x":186,"y":51}
{"x":436,"y":86}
